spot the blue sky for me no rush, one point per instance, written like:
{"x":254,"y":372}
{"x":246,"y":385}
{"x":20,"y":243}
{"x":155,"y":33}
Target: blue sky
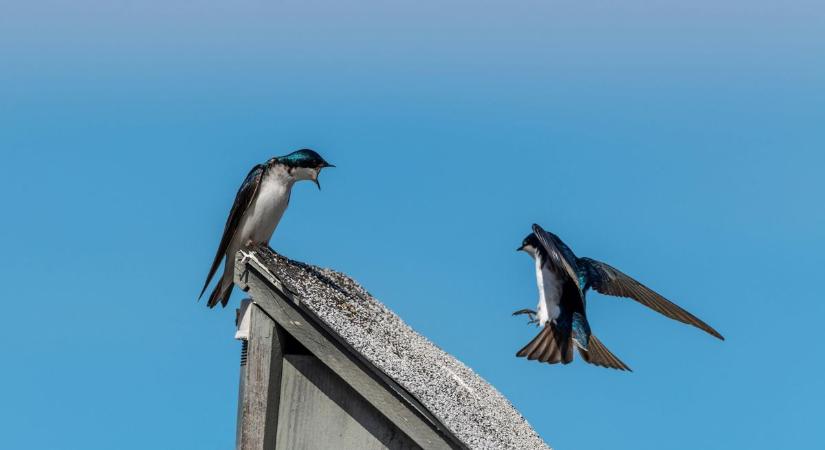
{"x":681,"y":142}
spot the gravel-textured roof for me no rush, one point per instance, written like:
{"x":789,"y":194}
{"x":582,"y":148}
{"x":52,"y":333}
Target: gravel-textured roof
{"x":472,"y":409}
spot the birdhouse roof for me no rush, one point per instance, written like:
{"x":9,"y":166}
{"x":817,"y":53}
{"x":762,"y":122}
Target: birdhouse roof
{"x":467,"y":410}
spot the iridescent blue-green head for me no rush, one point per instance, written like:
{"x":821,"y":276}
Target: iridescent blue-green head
{"x":304,"y":164}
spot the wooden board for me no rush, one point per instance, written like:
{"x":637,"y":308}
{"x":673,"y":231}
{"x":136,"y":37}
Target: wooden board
{"x":260,"y":384}
{"x":319,"y":411}
{"x":397,"y":405}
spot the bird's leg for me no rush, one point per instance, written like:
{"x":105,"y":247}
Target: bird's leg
{"x":247,"y":256}
{"x":530,"y":314}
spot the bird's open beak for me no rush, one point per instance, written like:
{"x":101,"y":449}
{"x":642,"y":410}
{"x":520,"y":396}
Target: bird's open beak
{"x":318,"y":172}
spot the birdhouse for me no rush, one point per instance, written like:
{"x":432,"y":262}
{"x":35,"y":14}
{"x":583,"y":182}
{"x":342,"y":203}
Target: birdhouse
{"x":327,"y":366}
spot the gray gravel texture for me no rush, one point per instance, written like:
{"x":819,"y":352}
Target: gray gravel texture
{"x":470,"y":407}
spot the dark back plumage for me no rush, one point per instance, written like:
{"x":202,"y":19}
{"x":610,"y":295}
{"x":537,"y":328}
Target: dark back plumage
{"x":558,"y":254}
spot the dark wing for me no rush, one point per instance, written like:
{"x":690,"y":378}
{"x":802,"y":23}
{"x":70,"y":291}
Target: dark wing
{"x":242,"y":201}
{"x":559,"y":254}
{"x":610,"y":281}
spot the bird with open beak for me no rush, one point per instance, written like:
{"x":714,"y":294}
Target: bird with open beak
{"x":259,"y":205}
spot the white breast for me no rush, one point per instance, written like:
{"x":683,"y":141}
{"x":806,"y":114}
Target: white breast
{"x":268,"y":208}
{"x":550,"y":287}
{"x":263,"y":215}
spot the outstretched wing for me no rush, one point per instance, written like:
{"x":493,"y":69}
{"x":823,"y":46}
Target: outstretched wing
{"x":242,"y":201}
{"x":560,"y":255}
{"x":610,"y":281}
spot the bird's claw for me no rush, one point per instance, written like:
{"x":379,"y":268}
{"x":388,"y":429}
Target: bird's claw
{"x":245,"y":257}
{"x":532,"y":315}
{"x":249,"y":256}
{"x":527,"y":311}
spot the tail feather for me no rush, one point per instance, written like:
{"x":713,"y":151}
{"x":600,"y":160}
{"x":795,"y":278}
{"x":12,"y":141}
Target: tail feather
{"x":598,"y":355}
{"x":543,"y":345}
{"x":551,"y":351}
{"x":548,"y":346}
{"x":220,"y":294}
{"x":531,"y":346}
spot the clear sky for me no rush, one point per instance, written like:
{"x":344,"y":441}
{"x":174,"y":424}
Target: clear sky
{"x":682,"y":142}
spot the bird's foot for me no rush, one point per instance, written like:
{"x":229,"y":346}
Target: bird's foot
{"x":245,"y":257}
{"x":249,"y":256}
{"x":532,"y":315}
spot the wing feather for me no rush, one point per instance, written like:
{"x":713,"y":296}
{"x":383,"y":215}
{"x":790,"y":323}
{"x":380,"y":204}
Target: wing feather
{"x":560,"y":255}
{"x":611,"y":281}
{"x":243,"y":199}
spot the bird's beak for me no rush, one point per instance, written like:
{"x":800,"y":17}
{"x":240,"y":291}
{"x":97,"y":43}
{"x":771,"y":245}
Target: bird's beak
{"x":521,"y":248}
{"x":318,"y":172}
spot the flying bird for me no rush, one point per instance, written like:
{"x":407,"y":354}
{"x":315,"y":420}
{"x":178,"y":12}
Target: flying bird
{"x":259,"y":205}
{"x":588,"y":273}
{"x":561,"y":309}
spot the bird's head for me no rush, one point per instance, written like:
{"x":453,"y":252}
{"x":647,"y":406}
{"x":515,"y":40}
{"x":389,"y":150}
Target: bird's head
{"x":530,"y":244}
{"x":304,"y":164}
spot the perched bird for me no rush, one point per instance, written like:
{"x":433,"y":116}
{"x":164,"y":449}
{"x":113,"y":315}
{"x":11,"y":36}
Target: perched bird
{"x":259,"y":205}
{"x":561,"y":309}
{"x":589,"y":273}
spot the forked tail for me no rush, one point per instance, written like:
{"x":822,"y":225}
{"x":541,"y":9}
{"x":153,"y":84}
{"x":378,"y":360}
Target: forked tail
{"x":598,"y":355}
{"x":550,"y":346}
{"x":221,"y":293}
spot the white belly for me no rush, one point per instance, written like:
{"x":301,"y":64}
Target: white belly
{"x":550,"y":287}
{"x":265,"y":212}
{"x":260,"y":219}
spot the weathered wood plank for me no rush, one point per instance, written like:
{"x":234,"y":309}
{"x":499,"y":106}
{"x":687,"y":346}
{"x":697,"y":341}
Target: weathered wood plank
{"x":380,"y":391}
{"x":260,"y":384}
{"x":319,"y":411}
